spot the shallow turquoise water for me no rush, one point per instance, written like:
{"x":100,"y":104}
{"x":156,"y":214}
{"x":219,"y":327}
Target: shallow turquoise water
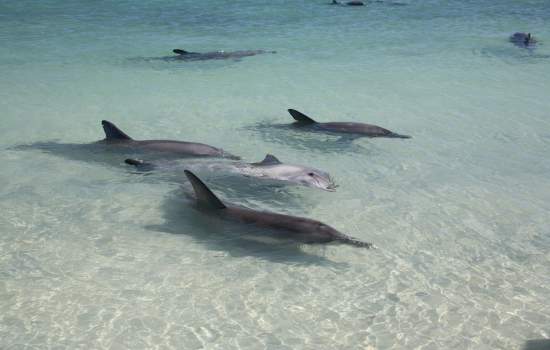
{"x":95,"y":256}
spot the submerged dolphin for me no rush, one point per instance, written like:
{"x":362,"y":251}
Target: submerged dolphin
{"x":524,"y":40}
{"x":270,"y":168}
{"x":348,"y":3}
{"x":285,"y":227}
{"x":114,"y":137}
{"x":215,"y":55}
{"x":356,"y":129}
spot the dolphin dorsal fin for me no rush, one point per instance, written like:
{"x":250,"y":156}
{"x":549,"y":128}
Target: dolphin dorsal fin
{"x":269,"y":159}
{"x":179,"y":51}
{"x":112,"y":132}
{"x":301,"y":117}
{"x":205,"y":197}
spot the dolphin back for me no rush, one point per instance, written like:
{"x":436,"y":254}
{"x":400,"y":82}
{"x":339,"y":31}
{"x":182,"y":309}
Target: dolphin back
{"x":204,"y":195}
{"x":112,"y":132}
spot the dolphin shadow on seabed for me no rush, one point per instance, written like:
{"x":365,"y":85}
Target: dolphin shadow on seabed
{"x":511,"y":55}
{"x":537,"y":344}
{"x":90,"y":153}
{"x":182,"y":217}
{"x":287,"y":135}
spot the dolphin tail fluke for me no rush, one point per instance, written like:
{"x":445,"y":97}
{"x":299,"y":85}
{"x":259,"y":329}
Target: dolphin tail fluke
{"x":301,"y":117}
{"x":140,"y":164}
{"x":112,"y":132}
{"x":205,"y":197}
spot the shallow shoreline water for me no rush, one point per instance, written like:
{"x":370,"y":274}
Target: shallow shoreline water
{"x":93,"y":255}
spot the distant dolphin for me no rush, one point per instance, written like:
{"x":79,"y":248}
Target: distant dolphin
{"x":285,"y":227}
{"x":524,"y":40}
{"x":215,"y":55}
{"x":348,"y":3}
{"x":114,"y":137}
{"x":270,"y":168}
{"x":357,"y":129}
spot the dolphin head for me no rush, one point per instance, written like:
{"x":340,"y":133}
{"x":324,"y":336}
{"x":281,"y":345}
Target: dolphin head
{"x":273,"y":168}
{"x":306,"y":176}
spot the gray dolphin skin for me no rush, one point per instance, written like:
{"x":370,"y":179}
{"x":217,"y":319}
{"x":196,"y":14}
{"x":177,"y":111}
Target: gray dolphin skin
{"x":270,"y":168}
{"x":215,"y":55}
{"x":355,"y":129}
{"x":285,"y":227}
{"x":117,"y":138}
{"x":273,"y":168}
{"x":524,"y":40}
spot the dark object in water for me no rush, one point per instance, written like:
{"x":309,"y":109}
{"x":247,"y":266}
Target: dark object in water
{"x":356,"y":129}
{"x":283,"y":227}
{"x":349,"y":3}
{"x":215,"y":55}
{"x":524,"y":40}
{"x":537,"y":344}
{"x":114,"y":137}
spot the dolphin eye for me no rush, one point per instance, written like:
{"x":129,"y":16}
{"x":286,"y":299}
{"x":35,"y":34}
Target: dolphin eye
{"x":311,"y":174}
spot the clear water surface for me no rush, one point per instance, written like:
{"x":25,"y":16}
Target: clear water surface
{"x":93,"y":255}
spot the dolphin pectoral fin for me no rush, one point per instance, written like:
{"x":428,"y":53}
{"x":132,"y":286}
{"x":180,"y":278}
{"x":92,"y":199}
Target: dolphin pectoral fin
{"x":205,"y":197}
{"x":112,"y":132}
{"x":269,"y":159}
{"x":301,"y":117}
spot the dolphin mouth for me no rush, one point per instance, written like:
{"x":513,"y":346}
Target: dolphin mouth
{"x":331,"y":187}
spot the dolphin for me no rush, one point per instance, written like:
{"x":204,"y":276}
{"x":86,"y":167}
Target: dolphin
{"x":355,"y":129}
{"x":114,"y":137}
{"x":348,"y":3}
{"x":215,"y":55}
{"x":524,"y":40}
{"x":285,"y":227}
{"x":270,"y":168}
